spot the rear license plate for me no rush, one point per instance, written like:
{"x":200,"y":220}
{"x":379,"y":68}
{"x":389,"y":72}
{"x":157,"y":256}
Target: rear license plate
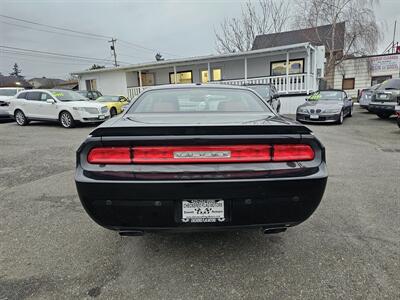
{"x":203,"y":211}
{"x":314,"y":117}
{"x":102,"y":117}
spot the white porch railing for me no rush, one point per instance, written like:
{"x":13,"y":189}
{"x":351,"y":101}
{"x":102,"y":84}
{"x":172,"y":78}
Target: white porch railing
{"x":134,"y":91}
{"x":296,"y":83}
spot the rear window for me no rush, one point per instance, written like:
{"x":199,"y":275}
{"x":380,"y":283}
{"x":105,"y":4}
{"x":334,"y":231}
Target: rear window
{"x":391,"y":84}
{"x":8,"y":92}
{"x":192,"y":100}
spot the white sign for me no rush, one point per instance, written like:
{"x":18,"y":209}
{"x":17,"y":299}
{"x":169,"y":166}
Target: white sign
{"x":385,"y":63}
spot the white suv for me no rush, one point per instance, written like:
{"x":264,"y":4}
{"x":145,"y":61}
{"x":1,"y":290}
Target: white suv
{"x":64,"y":106}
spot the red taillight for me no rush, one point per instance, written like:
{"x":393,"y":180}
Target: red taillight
{"x":110,"y":155}
{"x":292,"y":152}
{"x":198,"y":154}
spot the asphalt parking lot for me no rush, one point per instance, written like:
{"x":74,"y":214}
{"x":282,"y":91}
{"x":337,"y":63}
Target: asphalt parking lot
{"x":349,"y":248}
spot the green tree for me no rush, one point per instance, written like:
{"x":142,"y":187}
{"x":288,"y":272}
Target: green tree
{"x":16,"y":71}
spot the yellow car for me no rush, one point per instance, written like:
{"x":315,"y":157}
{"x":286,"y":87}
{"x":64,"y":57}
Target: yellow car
{"x":114,"y":103}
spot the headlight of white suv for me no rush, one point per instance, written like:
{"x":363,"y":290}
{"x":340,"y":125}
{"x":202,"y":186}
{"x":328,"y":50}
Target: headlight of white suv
{"x":332,"y":110}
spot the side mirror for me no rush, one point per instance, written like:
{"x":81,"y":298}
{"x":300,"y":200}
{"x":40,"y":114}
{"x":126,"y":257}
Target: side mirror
{"x":51,"y":101}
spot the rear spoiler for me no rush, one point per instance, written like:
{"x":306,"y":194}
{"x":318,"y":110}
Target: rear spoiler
{"x":200,"y":130}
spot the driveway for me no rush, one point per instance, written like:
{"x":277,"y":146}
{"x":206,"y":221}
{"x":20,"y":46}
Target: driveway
{"x":349,"y":248}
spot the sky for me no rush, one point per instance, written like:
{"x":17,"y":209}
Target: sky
{"x":142,"y":28}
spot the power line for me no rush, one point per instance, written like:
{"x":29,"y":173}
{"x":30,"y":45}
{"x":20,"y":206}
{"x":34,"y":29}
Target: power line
{"x":58,"y":54}
{"x":33,"y":58}
{"x":92,"y":35}
{"x":56,"y":27}
{"x":146,"y":48}
{"x":54,"y":32}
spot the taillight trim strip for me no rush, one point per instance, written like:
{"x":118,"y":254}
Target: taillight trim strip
{"x":266,"y":153}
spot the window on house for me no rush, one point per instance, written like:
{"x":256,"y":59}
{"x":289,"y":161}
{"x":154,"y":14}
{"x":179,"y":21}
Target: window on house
{"x":91,"y":85}
{"x":379,"y":79}
{"x":181,"y":77}
{"x":296,"y":66}
{"x":147,"y":79}
{"x":217,"y":75}
{"x":348,"y":84}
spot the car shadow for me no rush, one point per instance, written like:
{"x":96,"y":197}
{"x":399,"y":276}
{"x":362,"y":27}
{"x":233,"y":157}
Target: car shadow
{"x":6,"y":121}
{"x":209,"y":244}
{"x":55,"y":124}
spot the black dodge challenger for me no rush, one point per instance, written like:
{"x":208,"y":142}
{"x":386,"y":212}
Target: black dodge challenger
{"x":200,"y":157}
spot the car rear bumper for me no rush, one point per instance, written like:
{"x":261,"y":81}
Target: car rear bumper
{"x":382,"y":108}
{"x":156,"y":205}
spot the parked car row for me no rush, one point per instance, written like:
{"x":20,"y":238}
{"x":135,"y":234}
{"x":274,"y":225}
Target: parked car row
{"x":383,"y":99}
{"x":63,"y":106}
{"x":335,"y":105}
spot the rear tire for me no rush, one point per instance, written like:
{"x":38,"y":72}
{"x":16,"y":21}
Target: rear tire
{"x":20,"y":118}
{"x":66,"y":120}
{"x":384,"y":116}
{"x":113,"y":112}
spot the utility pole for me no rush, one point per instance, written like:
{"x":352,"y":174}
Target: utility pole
{"x":113,"y":49}
{"x":394,"y":36}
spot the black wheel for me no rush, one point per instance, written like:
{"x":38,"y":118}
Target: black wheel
{"x":20,"y":118}
{"x":66,"y":120}
{"x":113,"y":112}
{"x":341,"y":118}
{"x":384,"y":115}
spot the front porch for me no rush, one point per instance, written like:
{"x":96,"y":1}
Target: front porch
{"x":287,"y":84}
{"x":292,"y":70}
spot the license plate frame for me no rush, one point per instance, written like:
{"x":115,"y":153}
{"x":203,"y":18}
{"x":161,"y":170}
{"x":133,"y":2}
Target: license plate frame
{"x":314,"y":117}
{"x":203,"y":211}
{"x":102,"y":117}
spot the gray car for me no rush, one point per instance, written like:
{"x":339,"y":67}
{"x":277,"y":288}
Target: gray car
{"x":366,"y":96}
{"x":330,"y":106}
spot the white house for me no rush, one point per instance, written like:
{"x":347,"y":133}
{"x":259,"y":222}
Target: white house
{"x":293,"y":69}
